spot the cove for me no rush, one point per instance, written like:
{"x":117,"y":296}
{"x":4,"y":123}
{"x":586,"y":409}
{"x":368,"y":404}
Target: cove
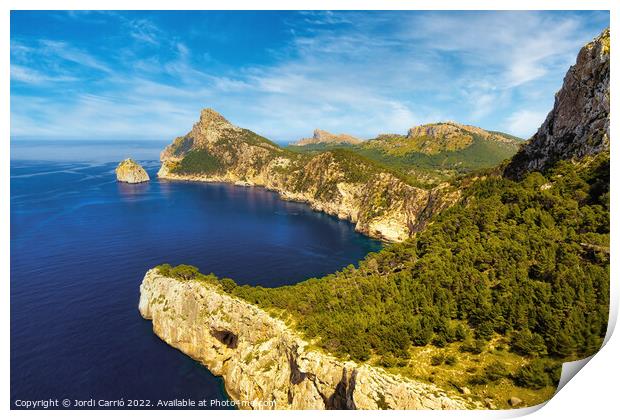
{"x":81,"y":243}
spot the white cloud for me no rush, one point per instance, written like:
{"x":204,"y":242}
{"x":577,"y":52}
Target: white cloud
{"x":362,"y":74}
{"x":31,"y":76}
{"x":68,"y":53}
{"x":144,"y":30}
{"x":519,"y":46}
{"x":525,"y":123}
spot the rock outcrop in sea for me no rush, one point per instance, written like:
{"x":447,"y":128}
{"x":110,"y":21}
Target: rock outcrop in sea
{"x":578,"y":124}
{"x":131,"y":172}
{"x":262,"y":360}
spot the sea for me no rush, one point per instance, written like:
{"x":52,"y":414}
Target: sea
{"x":81,"y":243}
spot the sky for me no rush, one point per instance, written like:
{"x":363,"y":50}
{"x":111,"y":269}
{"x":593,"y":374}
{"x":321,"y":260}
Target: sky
{"x":146,"y":75}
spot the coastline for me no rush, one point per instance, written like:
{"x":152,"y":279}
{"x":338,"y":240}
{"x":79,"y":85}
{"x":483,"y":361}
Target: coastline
{"x":394,"y":227}
{"x":261,"y":359}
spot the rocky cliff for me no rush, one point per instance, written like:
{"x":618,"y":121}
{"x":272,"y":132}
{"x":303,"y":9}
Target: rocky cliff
{"x":131,"y":172}
{"x":578,"y":124}
{"x":263,"y":362}
{"x":325,"y":137}
{"x":379,"y":202}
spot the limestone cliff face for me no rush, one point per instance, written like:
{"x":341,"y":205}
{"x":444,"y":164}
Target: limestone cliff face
{"x":578,"y":124}
{"x":260,"y":359}
{"x":336,"y":182}
{"x":131,"y":172}
{"x":325,"y":137}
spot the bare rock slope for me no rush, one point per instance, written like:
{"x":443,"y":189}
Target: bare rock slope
{"x":578,"y":124}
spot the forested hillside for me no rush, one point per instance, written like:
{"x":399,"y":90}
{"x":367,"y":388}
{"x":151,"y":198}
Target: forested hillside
{"x":516,"y":274}
{"x":528,"y":259}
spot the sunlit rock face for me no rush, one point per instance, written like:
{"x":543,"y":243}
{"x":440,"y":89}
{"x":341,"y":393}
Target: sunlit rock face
{"x":131,"y":172}
{"x":262,"y":360}
{"x":578,"y":124}
{"x":325,"y":137}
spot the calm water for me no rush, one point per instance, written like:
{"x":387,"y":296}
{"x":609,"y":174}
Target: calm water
{"x":81,"y":243}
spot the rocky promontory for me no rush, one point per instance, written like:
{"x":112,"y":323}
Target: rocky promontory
{"x":131,"y":172}
{"x":378,"y":201}
{"x":264,"y":363}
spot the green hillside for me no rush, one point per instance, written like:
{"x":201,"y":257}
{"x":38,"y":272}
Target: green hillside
{"x":432,"y":158}
{"x":505,"y":285}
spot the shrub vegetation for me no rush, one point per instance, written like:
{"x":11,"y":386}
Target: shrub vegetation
{"x":527,"y":261}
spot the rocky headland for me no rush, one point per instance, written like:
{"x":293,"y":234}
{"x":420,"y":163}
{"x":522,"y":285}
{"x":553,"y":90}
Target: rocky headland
{"x":262,"y":360}
{"x":378,"y":201}
{"x":321,"y":137}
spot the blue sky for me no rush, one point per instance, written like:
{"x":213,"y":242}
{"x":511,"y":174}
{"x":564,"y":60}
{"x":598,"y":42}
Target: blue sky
{"x":146,"y":75}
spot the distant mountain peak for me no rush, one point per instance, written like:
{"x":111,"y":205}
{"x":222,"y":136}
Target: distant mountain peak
{"x":445,"y":129}
{"x":325,"y":137}
{"x":434,"y":138}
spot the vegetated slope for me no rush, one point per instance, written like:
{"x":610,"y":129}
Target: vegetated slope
{"x":432,"y":152}
{"x":527,"y":260}
{"x":516,"y":273}
{"x":381,"y":202}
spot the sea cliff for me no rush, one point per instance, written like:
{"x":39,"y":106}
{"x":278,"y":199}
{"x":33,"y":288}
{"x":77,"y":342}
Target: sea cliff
{"x":379,"y":202}
{"x":265,"y":363}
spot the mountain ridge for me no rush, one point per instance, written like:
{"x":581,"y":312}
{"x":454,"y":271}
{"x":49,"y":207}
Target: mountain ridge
{"x":432,"y":152}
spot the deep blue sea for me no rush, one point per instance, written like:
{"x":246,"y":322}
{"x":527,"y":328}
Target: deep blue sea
{"x":81,"y":243}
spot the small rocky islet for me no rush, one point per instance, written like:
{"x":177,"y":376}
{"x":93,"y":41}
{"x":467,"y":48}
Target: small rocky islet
{"x":131,"y":172}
